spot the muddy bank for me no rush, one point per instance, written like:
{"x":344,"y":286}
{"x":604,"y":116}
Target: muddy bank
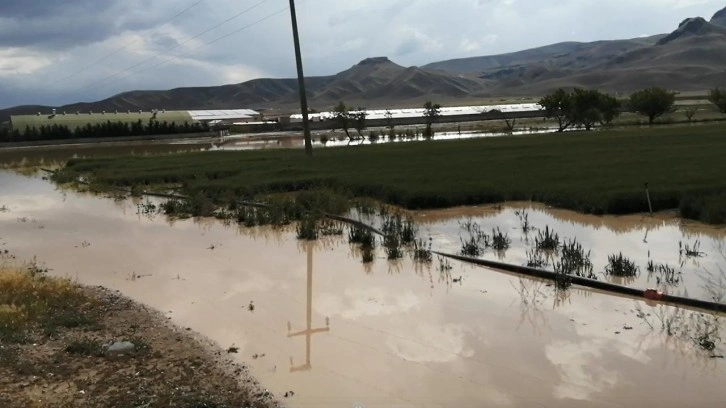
{"x":63,"y":358}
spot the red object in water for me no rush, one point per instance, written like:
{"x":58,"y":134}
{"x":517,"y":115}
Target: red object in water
{"x":653,"y":294}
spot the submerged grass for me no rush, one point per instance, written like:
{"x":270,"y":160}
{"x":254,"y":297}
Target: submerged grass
{"x":601,"y":172}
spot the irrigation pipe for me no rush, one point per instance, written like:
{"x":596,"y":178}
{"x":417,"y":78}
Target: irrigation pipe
{"x":648,"y":294}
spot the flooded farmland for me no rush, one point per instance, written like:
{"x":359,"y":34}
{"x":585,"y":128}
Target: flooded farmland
{"x":312,"y":319}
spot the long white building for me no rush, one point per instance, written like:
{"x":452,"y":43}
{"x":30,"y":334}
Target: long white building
{"x":419,"y":112}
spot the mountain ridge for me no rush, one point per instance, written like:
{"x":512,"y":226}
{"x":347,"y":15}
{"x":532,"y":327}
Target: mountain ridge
{"x":691,"y":57}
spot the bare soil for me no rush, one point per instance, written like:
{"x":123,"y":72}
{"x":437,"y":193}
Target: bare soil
{"x":171,"y":366}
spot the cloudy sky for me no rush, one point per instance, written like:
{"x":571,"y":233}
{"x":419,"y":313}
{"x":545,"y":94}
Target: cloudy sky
{"x":62,"y":51}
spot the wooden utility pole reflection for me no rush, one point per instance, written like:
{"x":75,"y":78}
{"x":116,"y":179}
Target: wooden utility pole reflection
{"x":309,"y":331}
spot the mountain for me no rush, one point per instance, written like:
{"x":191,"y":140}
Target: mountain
{"x":719,"y":18}
{"x":691,"y":58}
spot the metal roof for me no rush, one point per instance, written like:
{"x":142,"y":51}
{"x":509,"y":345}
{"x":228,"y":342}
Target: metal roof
{"x":223,"y":114}
{"x":74,"y":120}
{"x":445,"y":111}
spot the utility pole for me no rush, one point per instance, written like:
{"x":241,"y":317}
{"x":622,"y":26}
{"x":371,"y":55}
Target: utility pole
{"x":301,"y":82}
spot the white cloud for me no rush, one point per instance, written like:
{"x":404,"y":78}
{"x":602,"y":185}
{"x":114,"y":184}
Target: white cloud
{"x":16,"y":61}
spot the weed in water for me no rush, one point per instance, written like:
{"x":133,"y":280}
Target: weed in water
{"x":392,"y":243}
{"x":422,"y":251}
{"x":330,"y":228}
{"x":524,"y":221}
{"x":405,"y":230}
{"x":307,"y":229}
{"x":576,"y":260}
{"x":619,"y":265}
{"x":688,"y":251}
{"x":535,"y":259}
{"x":547,"y":240}
{"x":362,"y":236}
{"x":563,"y":278}
{"x":499,"y":241}
{"x":664,"y":274}
{"x":470,"y":247}
{"x":444,"y":264}
{"x":368,"y":255}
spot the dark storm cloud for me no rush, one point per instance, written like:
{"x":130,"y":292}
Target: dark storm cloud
{"x":63,"y":24}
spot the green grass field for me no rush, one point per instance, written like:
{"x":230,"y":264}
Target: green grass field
{"x":597,"y":172}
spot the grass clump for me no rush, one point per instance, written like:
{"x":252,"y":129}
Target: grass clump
{"x":621,"y":266}
{"x":307,"y":229}
{"x":664,"y":274}
{"x":90,"y":348}
{"x":30,"y":302}
{"x":362,"y":236}
{"x":422,"y":251}
{"x":547,"y":240}
{"x":499,"y":241}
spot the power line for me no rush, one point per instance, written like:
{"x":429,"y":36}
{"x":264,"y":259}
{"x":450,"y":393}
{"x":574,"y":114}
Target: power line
{"x":269,"y":16}
{"x":80,"y":89}
{"x":116,"y":51}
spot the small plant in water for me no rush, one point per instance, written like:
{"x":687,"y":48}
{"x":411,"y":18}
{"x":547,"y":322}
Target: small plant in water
{"x":547,"y":240}
{"x":422,"y":251}
{"x":690,"y":251}
{"x":470,"y":247}
{"x":444,"y":264}
{"x":362,"y":236}
{"x":330,"y":228}
{"x":619,"y":265}
{"x":535,"y":259}
{"x":307,"y":229}
{"x":524,"y":221}
{"x":575,"y":260}
{"x":368,"y":255}
{"x":665,"y":274}
{"x":393,"y":246}
{"x":499,"y":241}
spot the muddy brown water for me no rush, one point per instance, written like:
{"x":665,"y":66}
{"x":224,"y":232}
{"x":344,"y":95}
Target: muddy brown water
{"x":339,"y":334}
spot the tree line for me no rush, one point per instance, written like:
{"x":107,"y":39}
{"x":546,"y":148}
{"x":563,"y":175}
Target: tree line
{"x":587,"y":107}
{"x":105,"y":129}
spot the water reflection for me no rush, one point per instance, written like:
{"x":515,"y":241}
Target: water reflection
{"x":309,"y":331}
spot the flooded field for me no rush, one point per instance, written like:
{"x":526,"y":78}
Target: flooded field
{"x":47,"y":155}
{"x":311,"y":319}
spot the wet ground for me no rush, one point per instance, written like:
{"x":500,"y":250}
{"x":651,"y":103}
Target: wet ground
{"x":312,"y":319}
{"x":49,"y":155}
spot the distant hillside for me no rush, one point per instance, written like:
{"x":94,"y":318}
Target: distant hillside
{"x":691,"y":58}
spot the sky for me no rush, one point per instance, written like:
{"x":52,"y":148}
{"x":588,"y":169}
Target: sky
{"x":54,"y":52}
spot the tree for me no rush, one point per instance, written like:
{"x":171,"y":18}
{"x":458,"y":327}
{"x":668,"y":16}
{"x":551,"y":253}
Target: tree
{"x":390,"y":124}
{"x":718,"y":98}
{"x":558,"y":106}
{"x":585,"y":108}
{"x":652,"y":102}
{"x":690,"y":112}
{"x":341,"y":116}
{"x":359,"y":120}
{"x":609,"y":108}
{"x":431,"y":112}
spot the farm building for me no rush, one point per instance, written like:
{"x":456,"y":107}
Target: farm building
{"x":74,"y":120}
{"x":454,"y":111}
